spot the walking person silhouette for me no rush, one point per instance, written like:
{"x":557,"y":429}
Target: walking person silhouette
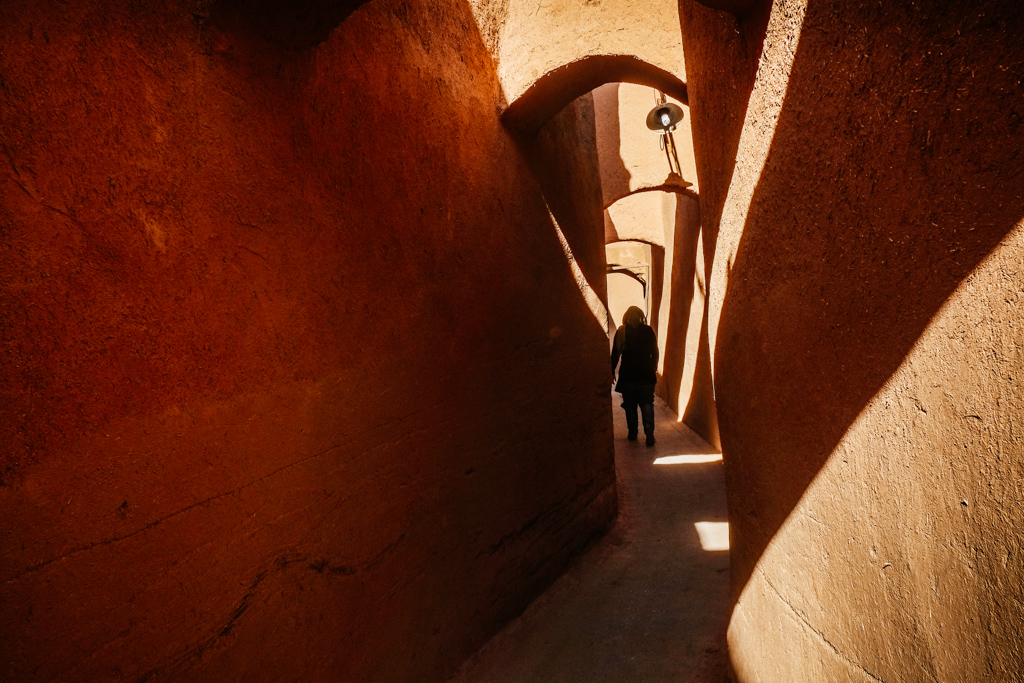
{"x":637,"y":347}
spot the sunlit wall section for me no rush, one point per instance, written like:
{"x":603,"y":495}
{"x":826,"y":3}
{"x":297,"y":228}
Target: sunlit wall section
{"x":864,"y":225}
{"x":903,"y":555}
{"x":530,"y":39}
{"x":632,"y":156}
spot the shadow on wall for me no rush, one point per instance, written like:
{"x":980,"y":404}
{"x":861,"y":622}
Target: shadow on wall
{"x":614,"y":174}
{"x":657,"y":284}
{"x":701,"y":411}
{"x":611,"y":233}
{"x":681,"y":282}
{"x":727,"y":50}
{"x":882,"y":190}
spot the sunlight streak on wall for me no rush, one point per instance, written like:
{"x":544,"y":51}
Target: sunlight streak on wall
{"x":594,"y":302}
{"x":898,"y":528}
{"x":693,"y":330}
{"x":763,"y":110}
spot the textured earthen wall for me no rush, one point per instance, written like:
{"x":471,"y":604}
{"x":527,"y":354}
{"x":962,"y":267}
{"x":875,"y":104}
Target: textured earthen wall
{"x":296,"y":379}
{"x":867,"y":334}
{"x":551,"y":52}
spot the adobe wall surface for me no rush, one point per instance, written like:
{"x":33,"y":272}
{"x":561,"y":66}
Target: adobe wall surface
{"x":296,"y":379}
{"x":532,"y":39}
{"x":865,"y":322}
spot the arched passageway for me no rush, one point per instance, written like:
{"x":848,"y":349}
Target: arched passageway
{"x":585,"y":628}
{"x":668,"y":225}
{"x":555,"y":89}
{"x":652,"y":196}
{"x":629,"y":279}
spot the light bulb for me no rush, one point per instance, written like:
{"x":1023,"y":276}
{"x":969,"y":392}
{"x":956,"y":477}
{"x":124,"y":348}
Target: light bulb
{"x":665,"y":119}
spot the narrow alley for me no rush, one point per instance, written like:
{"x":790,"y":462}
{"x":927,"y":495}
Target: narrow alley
{"x":307,"y":308}
{"x":650,"y":602}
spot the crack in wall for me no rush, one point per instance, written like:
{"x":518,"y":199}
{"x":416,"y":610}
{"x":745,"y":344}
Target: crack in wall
{"x":802,"y":619}
{"x":155,"y":523}
{"x":150,"y":525}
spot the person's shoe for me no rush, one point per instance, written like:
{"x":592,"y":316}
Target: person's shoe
{"x":631,"y":436}
{"x":650,"y":439}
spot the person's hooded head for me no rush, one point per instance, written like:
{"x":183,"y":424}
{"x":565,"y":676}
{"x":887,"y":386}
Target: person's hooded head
{"x":633,"y":317}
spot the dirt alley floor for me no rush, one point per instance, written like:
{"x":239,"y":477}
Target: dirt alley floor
{"x":647,"y":603}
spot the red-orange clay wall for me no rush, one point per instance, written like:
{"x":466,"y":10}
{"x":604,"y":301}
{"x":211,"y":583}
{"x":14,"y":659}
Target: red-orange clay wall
{"x":296,"y":382}
{"x":861,"y":167}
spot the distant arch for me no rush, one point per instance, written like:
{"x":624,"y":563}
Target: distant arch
{"x":665,"y":187}
{"x":554,"y":90}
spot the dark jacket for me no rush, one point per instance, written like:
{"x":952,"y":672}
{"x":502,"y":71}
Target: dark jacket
{"x":638,"y":349}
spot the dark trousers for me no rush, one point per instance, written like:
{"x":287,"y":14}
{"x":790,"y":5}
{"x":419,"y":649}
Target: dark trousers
{"x":634,"y":395}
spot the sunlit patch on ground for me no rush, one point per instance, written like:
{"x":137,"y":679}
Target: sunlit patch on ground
{"x":713,"y":535}
{"x":689,"y":459}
